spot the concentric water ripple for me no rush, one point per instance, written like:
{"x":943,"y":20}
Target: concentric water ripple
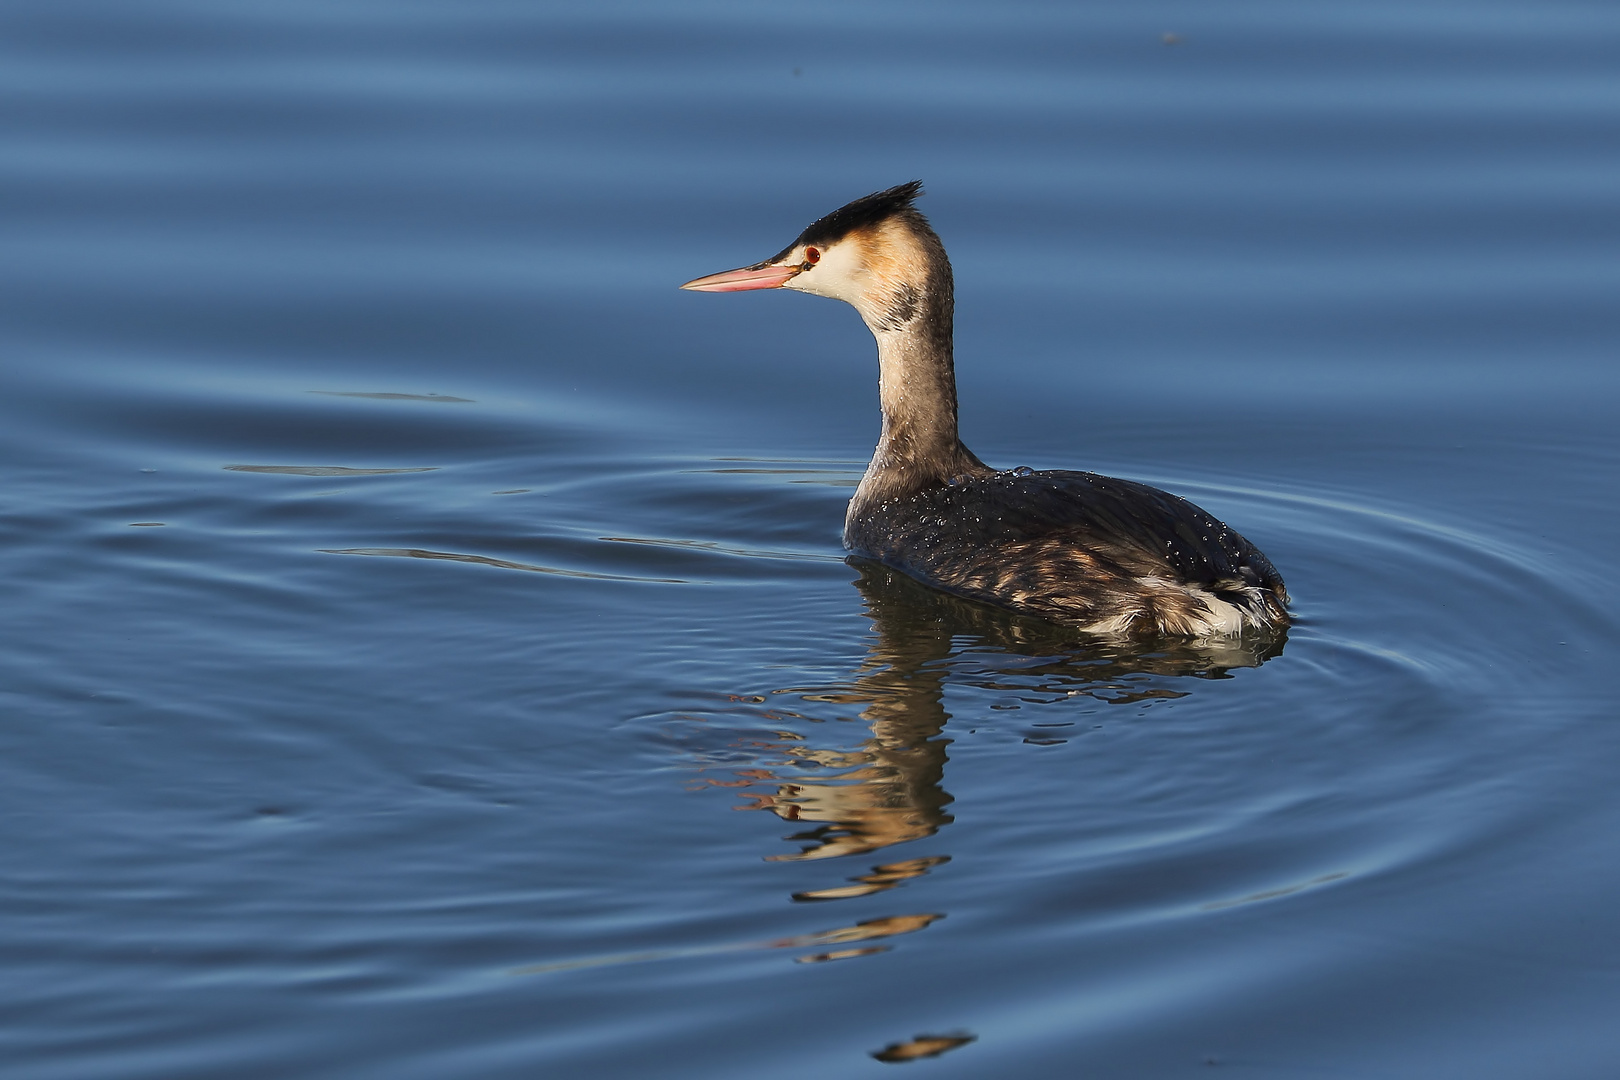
{"x":429,"y":649}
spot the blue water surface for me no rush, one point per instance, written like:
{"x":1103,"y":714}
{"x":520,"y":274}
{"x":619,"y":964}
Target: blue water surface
{"x":428,"y":645}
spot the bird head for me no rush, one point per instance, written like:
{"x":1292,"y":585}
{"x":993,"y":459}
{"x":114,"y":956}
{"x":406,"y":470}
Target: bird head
{"x":876,"y":253}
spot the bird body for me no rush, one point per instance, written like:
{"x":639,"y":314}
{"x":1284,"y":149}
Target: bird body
{"x":1108,"y":556}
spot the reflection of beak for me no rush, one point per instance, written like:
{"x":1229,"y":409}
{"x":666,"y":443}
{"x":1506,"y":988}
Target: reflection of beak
{"x":747,"y":277}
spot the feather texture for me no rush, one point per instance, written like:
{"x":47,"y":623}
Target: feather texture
{"x":1108,"y":555}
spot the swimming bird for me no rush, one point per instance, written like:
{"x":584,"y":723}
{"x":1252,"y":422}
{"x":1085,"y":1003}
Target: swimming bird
{"x":1107,"y":556}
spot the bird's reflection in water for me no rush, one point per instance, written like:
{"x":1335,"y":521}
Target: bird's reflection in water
{"x":889,"y":788}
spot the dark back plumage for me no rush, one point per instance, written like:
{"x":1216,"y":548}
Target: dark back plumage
{"x":1074,"y":546}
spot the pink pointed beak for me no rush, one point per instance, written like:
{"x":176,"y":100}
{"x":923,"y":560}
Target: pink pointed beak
{"x":748,"y":277}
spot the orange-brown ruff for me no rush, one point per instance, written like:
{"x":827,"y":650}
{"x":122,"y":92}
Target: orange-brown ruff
{"x":1109,"y":556}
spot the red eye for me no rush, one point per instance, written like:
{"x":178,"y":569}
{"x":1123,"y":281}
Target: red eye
{"x":812,"y":256}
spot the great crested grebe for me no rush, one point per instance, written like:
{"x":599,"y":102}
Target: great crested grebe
{"x":1107,"y":556}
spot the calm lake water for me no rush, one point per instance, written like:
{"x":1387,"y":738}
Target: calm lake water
{"x":428,"y":647}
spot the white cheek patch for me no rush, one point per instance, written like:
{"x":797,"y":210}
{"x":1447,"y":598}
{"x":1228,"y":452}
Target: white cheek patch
{"x":838,"y":275}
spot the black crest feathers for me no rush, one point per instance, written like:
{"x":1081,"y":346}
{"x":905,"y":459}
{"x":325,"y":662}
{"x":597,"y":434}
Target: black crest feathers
{"x":868,"y":210}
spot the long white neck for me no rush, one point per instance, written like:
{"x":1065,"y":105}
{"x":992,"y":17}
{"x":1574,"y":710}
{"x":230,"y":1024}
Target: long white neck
{"x":910,"y":311}
{"x":896,"y":274}
{"x":917,"y":392}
